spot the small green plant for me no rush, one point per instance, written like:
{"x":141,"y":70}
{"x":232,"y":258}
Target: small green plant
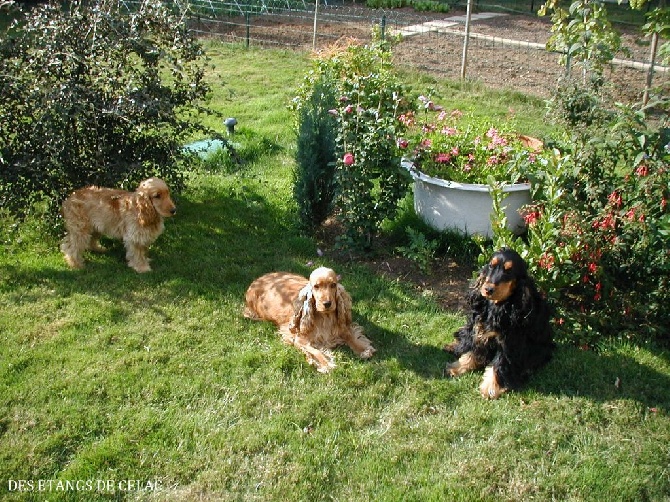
{"x":420,"y":249}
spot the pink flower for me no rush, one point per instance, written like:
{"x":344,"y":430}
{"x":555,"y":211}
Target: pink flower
{"x":402,"y":143}
{"x":546,"y":261}
{"x":642,"y":170}
{"x":407,"y":119}
{"x":605,"y":223}
{"x":349,"y":109}
{"x":615,"y":198}
{"x":348,"y":158}
{"x":443,"y":158}
{"x":334,"y":112}
{"x":531,"y":218}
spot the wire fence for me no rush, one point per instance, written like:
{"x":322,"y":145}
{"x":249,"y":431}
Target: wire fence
{"x":505,"y":49}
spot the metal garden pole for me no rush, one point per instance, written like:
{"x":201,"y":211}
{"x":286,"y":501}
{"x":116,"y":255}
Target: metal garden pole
{"x":464,"y":61}
{"x":316,"y":10}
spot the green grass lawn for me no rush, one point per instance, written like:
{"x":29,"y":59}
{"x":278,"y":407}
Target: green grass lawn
{"x":108,"y":376}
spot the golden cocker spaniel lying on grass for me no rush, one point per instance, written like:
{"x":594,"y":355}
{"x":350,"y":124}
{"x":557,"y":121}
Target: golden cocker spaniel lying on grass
{"x":312,"y":314}
{"x":134,"y":217}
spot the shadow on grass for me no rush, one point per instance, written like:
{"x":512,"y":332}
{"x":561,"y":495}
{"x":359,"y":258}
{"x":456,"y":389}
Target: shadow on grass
{"x":425,"y":360}
{"x":602,"y":377}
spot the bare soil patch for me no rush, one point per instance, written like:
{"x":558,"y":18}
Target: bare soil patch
{"x":447,"y":280}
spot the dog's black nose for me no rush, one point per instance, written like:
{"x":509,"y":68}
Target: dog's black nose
{"x":173,"y":211}
{"x":327,"y":304}
{"x":489,"y":289}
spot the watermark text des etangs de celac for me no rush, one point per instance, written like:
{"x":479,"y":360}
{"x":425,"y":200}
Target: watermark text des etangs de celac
{"x":83,"y":485}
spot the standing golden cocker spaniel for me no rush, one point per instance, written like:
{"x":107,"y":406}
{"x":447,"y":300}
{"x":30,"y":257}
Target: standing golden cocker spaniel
{"x":312,"y":314}
{"x":134,"y":217}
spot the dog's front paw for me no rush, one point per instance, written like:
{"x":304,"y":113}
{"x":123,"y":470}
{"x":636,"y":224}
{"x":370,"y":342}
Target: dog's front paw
{"x":141,"y":268}
{"x":453,"y":370}
{"x":96,"y":247}
{"x":490,"y":388}
{"x":74,"y":263}
{"x":368,"y":353}
{"x":325,"y":368}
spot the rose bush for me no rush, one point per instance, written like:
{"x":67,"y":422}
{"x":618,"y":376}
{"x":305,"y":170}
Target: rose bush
{"x":369,"y":99}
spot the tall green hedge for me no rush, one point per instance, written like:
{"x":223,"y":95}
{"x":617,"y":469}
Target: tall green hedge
{"x":314,"y":186}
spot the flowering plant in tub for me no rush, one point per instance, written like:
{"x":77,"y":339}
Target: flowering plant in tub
{"x":449,"y":146}
{"x":456,"y":164}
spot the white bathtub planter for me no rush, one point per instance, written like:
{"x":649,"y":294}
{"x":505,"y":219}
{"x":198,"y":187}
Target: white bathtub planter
{"x":466,"y":207}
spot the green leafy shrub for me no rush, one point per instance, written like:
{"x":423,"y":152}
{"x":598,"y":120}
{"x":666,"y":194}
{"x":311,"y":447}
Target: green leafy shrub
{"x":314,"y":185}
{"x":420,"y":249}
{"x":386,"y":4}
{"x":598,"y":233}
{"x":430,"y":6}
{"x":419,"y":5}
{"x":91,"y":93}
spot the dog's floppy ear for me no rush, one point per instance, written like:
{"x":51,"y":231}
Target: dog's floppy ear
{"x":475,"y":291}
{"x":304,"y":307}
{"x":527,"y":287}
{"x":343,"y":306}
{"x":146,"y":212}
